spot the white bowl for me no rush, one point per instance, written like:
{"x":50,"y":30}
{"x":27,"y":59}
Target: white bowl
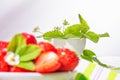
{"x":36,"y":76}
{"x":75,"y":44}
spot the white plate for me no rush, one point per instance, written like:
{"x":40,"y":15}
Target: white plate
{"x":36,"y":76}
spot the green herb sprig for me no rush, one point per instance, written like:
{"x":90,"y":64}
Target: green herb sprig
{"x":81,"y":30}
{"x":91,"y":56}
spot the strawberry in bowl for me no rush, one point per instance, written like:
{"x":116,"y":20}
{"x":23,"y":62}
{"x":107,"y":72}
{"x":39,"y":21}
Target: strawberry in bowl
{"x":24,"y":54}
{"x":52,"y":59}
{"x":3,"y":52}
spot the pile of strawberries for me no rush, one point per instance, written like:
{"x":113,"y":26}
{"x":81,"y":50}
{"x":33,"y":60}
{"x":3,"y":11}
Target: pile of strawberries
{"x":51,"y":59}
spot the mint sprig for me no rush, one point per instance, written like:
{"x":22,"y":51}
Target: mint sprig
{"x":81,"y":30}
{"x":26,"y":52}
{"x":90,"y":56}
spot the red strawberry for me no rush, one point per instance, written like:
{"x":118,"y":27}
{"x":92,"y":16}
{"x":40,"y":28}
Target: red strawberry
{"x":3,"y":44}
{"x":30,"y":39}
{"x":3,"y":66}
{"x":47,"y":62}
{"x":46,"y":47}
{"x":3,"y":52}
{"x":68,"y":59}
{"x":17,"y":69}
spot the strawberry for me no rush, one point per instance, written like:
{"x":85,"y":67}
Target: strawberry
{"x":3,"y":52}
{"x":30,"y":39}
{"x":3,"y":66}
{"x":3,"y":49}
{"x":3,"y":44}
{"x":17,"y":69}
{"x":46,"y":47}
{"x":47,"y":62}
{"x":68,"y":59}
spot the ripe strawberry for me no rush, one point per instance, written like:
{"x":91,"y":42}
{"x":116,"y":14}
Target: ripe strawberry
{"x":3,"y":52}
{"x":68,"y":59}
{"x":17,"y":69}
{"x":3,"y":66}
{"x":30,"y":39}
{"x":46,"y":47}
{"x":47,"y":62}
{"x":3,"y":44}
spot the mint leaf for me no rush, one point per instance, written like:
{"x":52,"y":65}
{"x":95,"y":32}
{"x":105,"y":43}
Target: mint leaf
{"x":104,"y":35}
{"x":87,"y":58}
{"x":85,"y":27}
{"x":92,"y":36}
{"x":30,"y":52}
{"x":17,"y":41}
{"x":90,"y":56}
{"x":72,"y":28}
{"x":80,"y":76}
{"x":88,"y":52}
{"x":53,"y":34}
{"x":28,"y":65}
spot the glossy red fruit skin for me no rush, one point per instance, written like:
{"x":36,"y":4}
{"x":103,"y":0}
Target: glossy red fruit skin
{"x":17,"y":69}
{"x":3,"y":44}
{"x":30,"y":39}
{"x":3,"y":66}
{"x":47,"y":62}
{"x":3,"y":52}
{"x":3,"y":49}
{"x":46,"y":47}
{"x":68,"y":59}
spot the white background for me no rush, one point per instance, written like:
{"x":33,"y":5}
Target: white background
{"x":102,"y":16}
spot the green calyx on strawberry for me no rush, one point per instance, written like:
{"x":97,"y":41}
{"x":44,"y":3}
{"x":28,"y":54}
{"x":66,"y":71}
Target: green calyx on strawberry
{"x":21,"y":54}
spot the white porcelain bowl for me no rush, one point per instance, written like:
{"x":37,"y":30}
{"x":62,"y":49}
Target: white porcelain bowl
{"x":75,"y":44}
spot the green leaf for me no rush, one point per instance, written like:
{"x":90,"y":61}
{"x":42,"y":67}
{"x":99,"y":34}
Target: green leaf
{"x":87,"y":58}
{"x":80,"y":76}
{"x":30,"y":52}
{"x":17,"y":41}
{"x":72,"y":28}
{"x":52,"y":34}
{"x":88,"y":52}
{"x":28,"y":65}
{"x":104,"y":35}
{"x":90,"y":56}
{"x":92,"y":36}
{"x":85,"y":27}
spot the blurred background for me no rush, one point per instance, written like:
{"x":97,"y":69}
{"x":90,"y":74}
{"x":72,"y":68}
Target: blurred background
{"x":102,"y":16}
